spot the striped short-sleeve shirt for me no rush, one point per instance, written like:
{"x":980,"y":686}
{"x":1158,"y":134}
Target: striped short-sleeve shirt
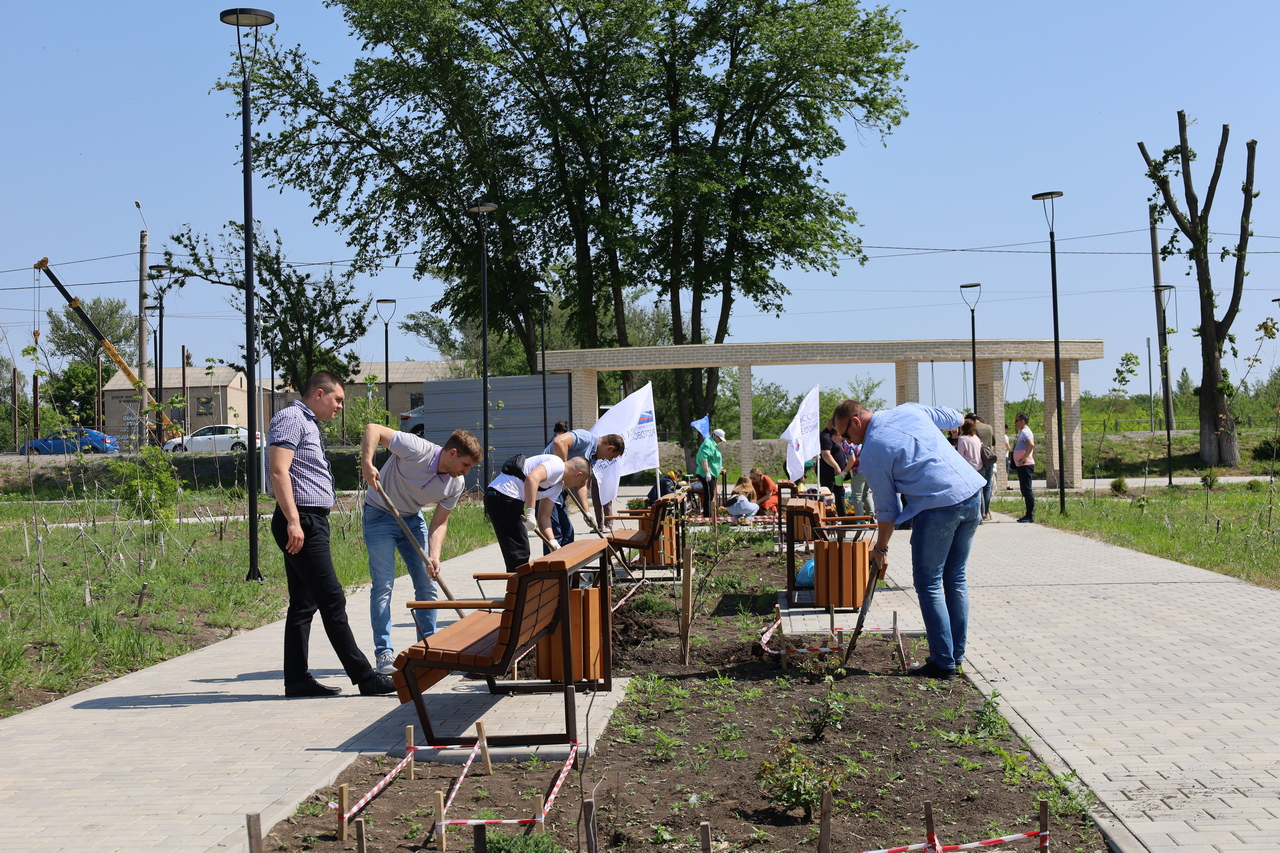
{"x":296,"y":428}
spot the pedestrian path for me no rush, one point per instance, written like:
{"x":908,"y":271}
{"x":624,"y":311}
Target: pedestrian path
{"x":173,"y":757}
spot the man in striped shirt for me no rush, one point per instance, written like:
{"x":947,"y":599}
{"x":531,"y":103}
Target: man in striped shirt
{"x":301,"y":481}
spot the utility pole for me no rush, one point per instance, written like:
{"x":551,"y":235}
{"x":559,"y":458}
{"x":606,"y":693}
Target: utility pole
{"x":143,"y":419}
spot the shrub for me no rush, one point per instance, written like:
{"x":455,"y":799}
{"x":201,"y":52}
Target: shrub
{"x":638,"y":503}
{"x":1119,"y":486}
{"x":653,"y":602}
{"x":1256,"y":485}
{"x":795,"y":780}
{"x":502,"y":842}
{"x":1210,"y":479}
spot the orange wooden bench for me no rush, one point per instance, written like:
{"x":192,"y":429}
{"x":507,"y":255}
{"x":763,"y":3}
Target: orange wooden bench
{"x":489,"y":640}
{"x":841,"y":558}
{"x":653,"y":539}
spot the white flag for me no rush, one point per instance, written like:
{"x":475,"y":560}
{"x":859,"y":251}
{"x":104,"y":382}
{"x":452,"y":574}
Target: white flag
{"x":633,"y":420}
{"x":802,"y":435}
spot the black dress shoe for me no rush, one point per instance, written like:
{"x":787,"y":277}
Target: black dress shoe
{"x":310,"y":687}
{"x":377,"y":685}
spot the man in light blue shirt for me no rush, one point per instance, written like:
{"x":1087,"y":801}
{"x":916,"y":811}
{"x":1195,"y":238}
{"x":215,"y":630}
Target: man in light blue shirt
{"x":905,"y":453}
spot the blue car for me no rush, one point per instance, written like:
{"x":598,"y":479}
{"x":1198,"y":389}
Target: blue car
{"x":72,"y":440}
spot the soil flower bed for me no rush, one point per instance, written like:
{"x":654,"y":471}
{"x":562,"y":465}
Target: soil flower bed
{"x":737,"y":741}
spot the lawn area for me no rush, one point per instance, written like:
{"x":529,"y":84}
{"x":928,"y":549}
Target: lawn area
{"x":70,"y":611}
{"x":1230,"y":529}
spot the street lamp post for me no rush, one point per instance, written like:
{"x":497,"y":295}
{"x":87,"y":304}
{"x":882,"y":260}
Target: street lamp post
{"x":973,"y":333}
{"x":253,"y":19}
{"x":388,"y":305}
{"x":160,"y":269}
{"x":479,"y":208}
{"x":542,"y":367}
{"x":1162,"y":337}
{"x":1046,"y":199}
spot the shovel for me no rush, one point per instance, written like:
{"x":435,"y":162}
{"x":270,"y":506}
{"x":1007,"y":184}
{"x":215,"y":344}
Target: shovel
{"x":377,"y":486}
{"x":862,"y":614}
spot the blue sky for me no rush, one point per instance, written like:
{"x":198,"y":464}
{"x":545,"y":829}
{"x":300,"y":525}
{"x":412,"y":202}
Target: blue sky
{"x":1006,"y":99}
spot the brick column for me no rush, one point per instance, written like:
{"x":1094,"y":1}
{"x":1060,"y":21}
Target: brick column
{"x":1050,"y":427}
{"x":1072,"y":432}
{"x":746,"y":447}
{"x":906,"y":382}
{"x":584,"y":398}
{"x":990,"y":407}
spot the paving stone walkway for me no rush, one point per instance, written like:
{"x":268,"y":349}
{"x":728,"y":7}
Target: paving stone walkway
{"x":1151,"y":680}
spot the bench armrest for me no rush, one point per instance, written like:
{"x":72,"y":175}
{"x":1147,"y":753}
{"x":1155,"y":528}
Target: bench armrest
{"x":449,"y":605}
{"x":493,"y":576}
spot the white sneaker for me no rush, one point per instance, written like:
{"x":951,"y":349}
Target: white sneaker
{"x":386,"y":662}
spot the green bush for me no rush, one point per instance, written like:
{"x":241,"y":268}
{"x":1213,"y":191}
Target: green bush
{"x":501,"y":842}
{"x":795,"y":780}
{"x":653,"y":602}
{"x":1119,"y":486}
{"x":1256,"y":485}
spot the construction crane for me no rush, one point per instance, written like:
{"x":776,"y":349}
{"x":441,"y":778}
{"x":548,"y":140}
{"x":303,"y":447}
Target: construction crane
{"x":107,"y":346}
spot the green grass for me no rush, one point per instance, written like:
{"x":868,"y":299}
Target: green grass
{"x":1231,"y":529}
{"x":52,"y":640}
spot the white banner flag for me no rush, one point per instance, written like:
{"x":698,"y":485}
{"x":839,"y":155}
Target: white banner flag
{"x":802,"y":435}
{"x":633,"y":420}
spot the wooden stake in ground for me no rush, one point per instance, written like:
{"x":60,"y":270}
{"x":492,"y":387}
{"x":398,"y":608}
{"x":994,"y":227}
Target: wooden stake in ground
{"x":824,"y":822}
{"x":440,"y":827}
{"x":362,"y":846}
{"x":589,"y":822}
{"x":931,"y":840}
{"x":343,"y":805}
{"x":704,"y":836}
{"x":408,"y":749}
{"x":686,"y":604}
{"x":484,"y":748}
{"x":540,"y":805}
{"x":479,"y":839}
{"x":1044,"y":826}
{"x":253,"y":822}
{"x":782,"y":636}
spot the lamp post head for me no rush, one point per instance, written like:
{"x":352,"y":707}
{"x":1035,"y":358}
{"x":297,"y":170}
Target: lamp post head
{"x":964,"y":288}
{"x":247,"y":17}
{"x":480,"y":206}
{"x":1049,"y":196}
{"x":390,"y":307}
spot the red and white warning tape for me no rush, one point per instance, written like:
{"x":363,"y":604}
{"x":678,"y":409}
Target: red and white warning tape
{"x":768,"y":634}
{"x":933,"y":845}
{"x":475,"y":750}
{"x":377,"y":789}
{"x":568,"y":765}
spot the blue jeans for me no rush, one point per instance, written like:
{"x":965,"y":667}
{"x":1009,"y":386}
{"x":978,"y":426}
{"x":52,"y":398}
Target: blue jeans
{"x":561,"y":524}
{"x":987,"y":473}
{"x":382,"y":538}
{"x":940,"y":541}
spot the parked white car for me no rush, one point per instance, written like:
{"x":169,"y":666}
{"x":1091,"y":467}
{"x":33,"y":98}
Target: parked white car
{"x":223,"y":438}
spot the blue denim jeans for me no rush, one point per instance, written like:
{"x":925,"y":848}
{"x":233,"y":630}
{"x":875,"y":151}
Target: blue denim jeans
{"x":561,"y":524}
{"x":987,"y":473}
{"x":382,"y":538}
{"x":940,"y":541}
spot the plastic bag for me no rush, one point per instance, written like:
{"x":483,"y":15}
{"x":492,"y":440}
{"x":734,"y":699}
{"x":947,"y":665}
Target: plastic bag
{"x":804,"y":577}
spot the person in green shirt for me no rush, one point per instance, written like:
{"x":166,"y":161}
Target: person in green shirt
{"x":707,"y":466}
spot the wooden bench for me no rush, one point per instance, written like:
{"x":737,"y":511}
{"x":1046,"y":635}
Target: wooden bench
{"x":487,"y":642}
{"x":653,"y":539}
{"x":841,"y":557}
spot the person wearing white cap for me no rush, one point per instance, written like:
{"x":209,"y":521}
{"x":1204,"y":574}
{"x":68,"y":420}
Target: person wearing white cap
{"x":707,"y":465}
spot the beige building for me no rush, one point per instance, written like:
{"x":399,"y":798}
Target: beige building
{"x":220,"y":396}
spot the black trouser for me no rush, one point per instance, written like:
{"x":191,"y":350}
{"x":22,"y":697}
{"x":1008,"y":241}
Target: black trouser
{"x":709,"y":488}
{"x":314,"y":586}
{"x":506,"y":514}
{"x":837,"y":490}
{"x":1028,"y":495}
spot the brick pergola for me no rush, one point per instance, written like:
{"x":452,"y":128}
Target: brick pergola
{"x":906,"y":356}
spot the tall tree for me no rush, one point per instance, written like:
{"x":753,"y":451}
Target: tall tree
{"x":1218,"y":441}
{"x":638,"y":145}
{"x":68,"y":337}
{"x":305,"y":322}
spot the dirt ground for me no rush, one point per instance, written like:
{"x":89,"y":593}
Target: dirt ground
{"x":737,"y":741}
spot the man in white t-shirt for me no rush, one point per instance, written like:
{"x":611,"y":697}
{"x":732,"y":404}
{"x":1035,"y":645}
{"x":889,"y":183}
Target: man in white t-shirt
{"x":510,"y":501}
{"x":1024,"y":461}
{"x":416,"y":475}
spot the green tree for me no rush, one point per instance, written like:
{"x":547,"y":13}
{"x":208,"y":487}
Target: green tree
{"x":74,"y":390}
{"x":667,"y":147}
{"x":864,"y":389}
{"x":1218,"y":442}
{"x":67,"y":337}
{"x":305,"y":322}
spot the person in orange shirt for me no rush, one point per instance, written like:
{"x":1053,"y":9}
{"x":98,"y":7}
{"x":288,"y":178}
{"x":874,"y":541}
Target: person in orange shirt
{"x":766,"y":491}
